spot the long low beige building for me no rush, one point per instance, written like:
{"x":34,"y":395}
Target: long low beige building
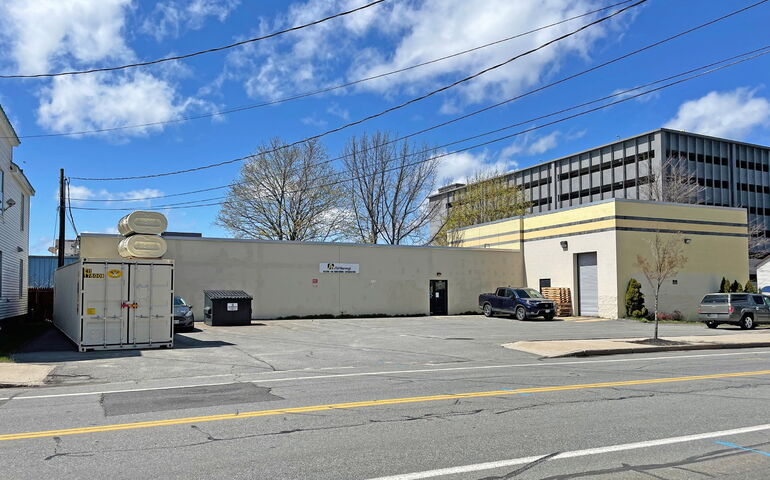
{"x":590,"y":249}
{"x":298,"y":279}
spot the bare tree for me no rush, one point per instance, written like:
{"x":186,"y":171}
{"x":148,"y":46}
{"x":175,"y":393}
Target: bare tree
{"x":759,"y":244}
{"x":487,"y":197}
{"x":673,"y":182}
{"x":666,"y":258}
{"x":286,"y":194}
{"x":389,"y":185}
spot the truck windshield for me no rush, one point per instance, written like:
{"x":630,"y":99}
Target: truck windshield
{"x":527,"y":293}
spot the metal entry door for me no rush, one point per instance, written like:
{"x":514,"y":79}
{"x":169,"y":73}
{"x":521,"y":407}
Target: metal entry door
{"x":439,"y":304}
{"x":588,"y":284}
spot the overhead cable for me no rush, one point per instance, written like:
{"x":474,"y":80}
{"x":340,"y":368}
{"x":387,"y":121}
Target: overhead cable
{"x":320,"y":91}
{"x":395,"y":107}
{"x":194,"y":54}
{"x":625,"y":98}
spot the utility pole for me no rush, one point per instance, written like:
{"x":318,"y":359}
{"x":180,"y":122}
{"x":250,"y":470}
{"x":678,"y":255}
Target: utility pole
{"x":62,"y":211}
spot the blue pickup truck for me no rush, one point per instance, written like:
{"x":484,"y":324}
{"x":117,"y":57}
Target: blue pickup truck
{"x":523,"y":303}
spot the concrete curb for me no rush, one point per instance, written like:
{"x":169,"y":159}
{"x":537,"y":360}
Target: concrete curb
{"x":660,"y":348}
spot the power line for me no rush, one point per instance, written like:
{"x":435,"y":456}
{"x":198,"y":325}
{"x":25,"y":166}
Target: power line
{"x":69,"y":209}
{"x":311,"y":93}
{"x":395,"y":107}
{"x":434,"y":127}
{"x":763,"y":51}
{"x":201,"y":52}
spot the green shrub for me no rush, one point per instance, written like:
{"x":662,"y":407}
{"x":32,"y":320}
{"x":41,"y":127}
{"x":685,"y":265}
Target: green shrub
{"x":736,"y":287}
{"x":750,"y":288}
{"x":635,"y":300}
{"x":724,"y":287}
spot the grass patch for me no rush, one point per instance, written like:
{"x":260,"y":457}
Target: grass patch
{"x":671,"y":322}
{"x":14,"y":335}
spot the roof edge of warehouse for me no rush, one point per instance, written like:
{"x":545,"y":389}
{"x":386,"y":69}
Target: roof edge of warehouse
{"x":598,"y":202}
{"x":342,"y":244}
{"x":457,"y":186}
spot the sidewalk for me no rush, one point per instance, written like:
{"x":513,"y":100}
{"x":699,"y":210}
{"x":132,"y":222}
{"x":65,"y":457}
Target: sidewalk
{"x":23,"y":374}
{"x":585,"y":348}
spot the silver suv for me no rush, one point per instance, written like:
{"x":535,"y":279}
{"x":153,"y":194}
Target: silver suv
{"x":746,"y":310}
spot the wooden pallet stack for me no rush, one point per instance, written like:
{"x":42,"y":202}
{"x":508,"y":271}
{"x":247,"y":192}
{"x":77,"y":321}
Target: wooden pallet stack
{"x":562,"y":297}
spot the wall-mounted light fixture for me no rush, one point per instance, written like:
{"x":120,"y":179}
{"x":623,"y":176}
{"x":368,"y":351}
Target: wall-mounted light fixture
{"x":564,"y":244}
{"x":687,"y":241}
{"x":10,"y":202}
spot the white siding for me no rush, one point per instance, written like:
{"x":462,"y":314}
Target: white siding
{"x":12,"y":238}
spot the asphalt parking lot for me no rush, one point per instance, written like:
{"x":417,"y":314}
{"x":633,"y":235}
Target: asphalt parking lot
{"x":295,"y":345}
{"x":391,"y":399}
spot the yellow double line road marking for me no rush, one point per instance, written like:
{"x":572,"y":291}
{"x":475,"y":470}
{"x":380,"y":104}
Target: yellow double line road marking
{"x":368,"y":403}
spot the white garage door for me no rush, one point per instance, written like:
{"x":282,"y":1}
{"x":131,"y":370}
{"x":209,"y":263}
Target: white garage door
{"x":588,"y":287}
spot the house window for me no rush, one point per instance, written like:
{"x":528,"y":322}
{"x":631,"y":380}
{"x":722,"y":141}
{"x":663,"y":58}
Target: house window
{"x":21,"y":208}
{"x":21,"y":278}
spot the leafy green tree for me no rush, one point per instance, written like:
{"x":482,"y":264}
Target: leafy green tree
{"x":736,"y":287}
{"x":487,"y":197}
{"x":635,"y":300}
{"x":750,"y":287}
{"x":724,"y":287}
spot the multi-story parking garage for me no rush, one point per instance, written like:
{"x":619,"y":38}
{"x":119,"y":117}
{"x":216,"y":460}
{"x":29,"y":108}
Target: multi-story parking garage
{"x":732,"y":174}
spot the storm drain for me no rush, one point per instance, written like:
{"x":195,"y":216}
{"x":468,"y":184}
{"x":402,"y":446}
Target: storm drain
{"x":127,"y":403}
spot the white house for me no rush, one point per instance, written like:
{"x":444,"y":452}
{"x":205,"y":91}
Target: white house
{"x":15,"y":193}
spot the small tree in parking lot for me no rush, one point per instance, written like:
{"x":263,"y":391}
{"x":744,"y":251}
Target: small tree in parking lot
{"x":666,"y":258}
{"x":736,"y":287}
{"x":750,"y":287}
{"x":724,"y":287}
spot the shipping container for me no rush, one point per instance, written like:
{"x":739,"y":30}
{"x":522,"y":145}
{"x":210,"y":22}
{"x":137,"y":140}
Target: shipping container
{"x":114,"y":304}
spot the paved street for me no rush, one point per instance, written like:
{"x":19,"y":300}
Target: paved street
{"x":433,"y":397}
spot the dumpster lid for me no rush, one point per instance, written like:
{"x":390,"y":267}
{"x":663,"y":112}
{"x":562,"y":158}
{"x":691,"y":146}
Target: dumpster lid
{"x":227,"y":295}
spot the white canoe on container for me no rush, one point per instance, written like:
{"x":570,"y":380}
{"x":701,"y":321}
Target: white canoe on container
{"x":142,"y":246}
{"x":140,"y":221}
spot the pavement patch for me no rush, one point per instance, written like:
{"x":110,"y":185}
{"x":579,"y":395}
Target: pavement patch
{"x":23,"y":374}
{"x":127,"y":403}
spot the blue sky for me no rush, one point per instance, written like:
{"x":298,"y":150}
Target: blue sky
{"x":49,"y":35}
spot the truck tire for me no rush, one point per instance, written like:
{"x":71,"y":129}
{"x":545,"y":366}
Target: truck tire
{"x":712,"y":324}
{"x":747,"y":322}
{"x":487,"y":308}
{"x":520,"y":314}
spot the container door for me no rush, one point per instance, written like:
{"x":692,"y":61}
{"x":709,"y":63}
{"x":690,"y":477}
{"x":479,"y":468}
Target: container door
{"x":104,"y":289}
{"x":588,"y":286}
{"x":151,"y":304}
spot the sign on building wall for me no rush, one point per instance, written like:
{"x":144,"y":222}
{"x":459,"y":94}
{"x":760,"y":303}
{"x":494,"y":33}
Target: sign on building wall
{"x":339,"y":268}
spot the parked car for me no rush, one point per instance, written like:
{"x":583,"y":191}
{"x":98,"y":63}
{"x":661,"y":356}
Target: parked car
{"x":743,"y":309}
{"x":522,"y":302}
{"x":183,"y":314}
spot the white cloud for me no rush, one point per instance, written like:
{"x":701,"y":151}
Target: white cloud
{"x":458,"y":167}
{"x":733,"y":114}
{"x":53,"y":35}
{"x":170,"y":18}
{"x":43,"y":33}
{"x":81,"y":192}
{"x":530,"y":144}
{"x":110,"y":100}
{"x":417,"y":32}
